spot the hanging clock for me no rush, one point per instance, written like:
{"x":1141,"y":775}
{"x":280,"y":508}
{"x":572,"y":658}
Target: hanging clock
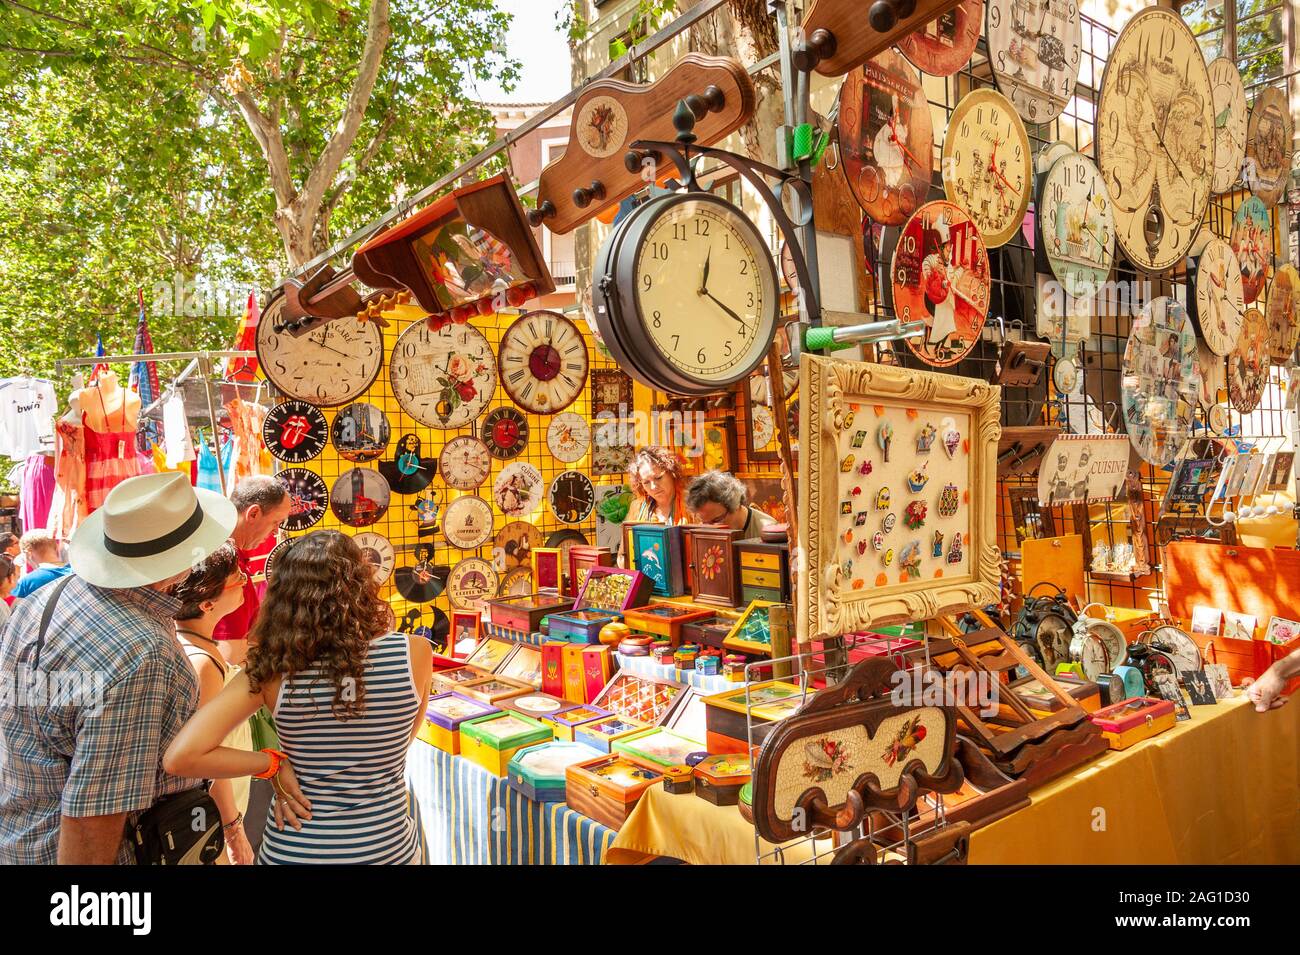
{"x":1155,"y":119}
{"x":360,"y":497}
{"x":422,"y":580}
{"x":409,"y":472}
{"x":1248,"y":363}
{"x":329,"y":365}
{"x":471,"y":582}
{"x":467,"y":522}
{"x":1283,"y":313}
{"x":505,"y":432}
{"x":1065,"y":375}
{"x":443,"y":379}
{"x":1252,"y":240}
{"x":940,"y":275}
{"x":516,"y":583}
{"x":1076,"y":225}
{"x":542,"y":362}
{"x":308,"y":497}
{"x":886,"y":140}
{"x":378,"y":552}
{"x":465,"y":463}
{"x":295,"y":431}
{"x":360,"y":432}
{"x":1160,"y":382}
{"x":1034,"y":48}
{"x":1268,"y":146}
{"x":686,"y":294}
{"x":762,"y":431}
{"x":513,"y":545}
{"x":986,"y":164}
{"x":1218,"y":302}
{"x":572,"y":497}
{"x":945,"y":44}
{"x":273,"y":558}
{"x":1048,"y":153}
{"x":568,"y":436}
{"x":1229,"y":123}
{"x":518,"y":489}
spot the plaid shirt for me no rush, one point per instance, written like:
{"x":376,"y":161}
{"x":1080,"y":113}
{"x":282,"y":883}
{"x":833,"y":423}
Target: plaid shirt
{"x":96,"y":748}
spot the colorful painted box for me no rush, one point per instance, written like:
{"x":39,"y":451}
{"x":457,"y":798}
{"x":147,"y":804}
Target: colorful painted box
{"x":657,"y":551}
{"x":492,"y":741}
{"x":719,"y":779}
{"x":613,"y":588}
{"x":566,"y":722}
{"x":1132,"y":721}
{"x":659,"y":746}
{"x":575,"y":684}
{"x":444,"y":715}
{"x":726,"y":720}
{"x":664,"y":620}
{"x":494,"y":689}
{"x":764,"y":571}
{"x":608,"y":788}
{"x":537,"y":772}
{"x":524,"y":613}
{"x":601,"y":734}
{"x":553,"y":667}
{"x":445,"y":681}
{"x":647,"y":699}
{"x":538,"y":706}
{"x":707,"y":631}
{"x":581,"y":559}
{"x":580,"y":626}
{"x":490,"y":654}
{"x":752,"y":633}
{"x":689,"y":717}
{"x":597,"y":668}
{"x":711,"y":564}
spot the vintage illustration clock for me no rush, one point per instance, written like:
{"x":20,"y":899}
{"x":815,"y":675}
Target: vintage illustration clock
{"x":568,"y":436}
{"x":443,"y":379}
{"x":940,"y":275}
{"x":1155,"y":120}
{"x":295,"y":431}
{"x":409,"y":472}
{"x":1283,"y":312}
{"x":1230,"y":117}
{"x":308,"y":496}
{"x":518,"y":489}
{"x":1076,"y":224}
{"x":513,"y":544}
{"x":378,"y":552}
{"x":945,"y":44}
{"x":360,"y":432}
{"x":986,"y":164}
{"x":542,"y":361}
{"x":465,"y":462}
{"x":329,"y":365}
{"x":1034,"y":52}
{"x":1160,"y":383}
{"x":1252,"y":240}
{"x":886,"y":138}
{"x":1218,"y":302}
{"x":1269,"y":137}
{"x":471,"y":582}
{"x":360,"y":497}
{"x":467,"y":522}
{"x":505,"y":433}
{"x":572,"y":497}
{"x":1248,"y":363}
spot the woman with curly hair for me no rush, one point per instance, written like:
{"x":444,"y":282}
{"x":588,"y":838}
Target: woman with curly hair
{"x":658,"y":489}
{"x":347,"y":694}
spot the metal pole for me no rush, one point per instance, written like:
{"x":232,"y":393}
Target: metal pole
{"x":61,"y":363}
{"x":205,"y":368}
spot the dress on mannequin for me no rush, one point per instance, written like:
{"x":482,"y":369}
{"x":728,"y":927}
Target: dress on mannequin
{"x":68,"y":507}
{"x":37,"y":491}
{"x":109,"y":414}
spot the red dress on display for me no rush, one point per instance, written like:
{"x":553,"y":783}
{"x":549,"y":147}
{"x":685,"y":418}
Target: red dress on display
{"x":111,"y":457}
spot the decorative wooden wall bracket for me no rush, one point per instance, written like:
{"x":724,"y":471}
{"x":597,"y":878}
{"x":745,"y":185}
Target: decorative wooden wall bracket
{"x":839,"y":38}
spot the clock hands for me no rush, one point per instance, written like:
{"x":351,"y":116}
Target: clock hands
{"x":709,"y":295}
{"x":1161,"y":140}
{"x":704,"y":277}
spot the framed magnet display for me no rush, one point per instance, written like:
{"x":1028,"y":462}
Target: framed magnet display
{"x":422,"y":580}
{"x":328,"y":366}
{"x":518,"y":489}
{"x":360,"y":432}
{"x":1248,"y":363}
{"x":295,"y":431}
{"x":986,"y":164}
{"x":612,"y":452}
{"x":505,"y":433}
{"x":886,"y":138}
{"x":360,"y":497}
{"x":1034,"y":51}
{"x":542,"y":361}
{"x":1076,"y":224}
{"x":514,"y":544}
{"x":308,"y":498}
{"x":1268,"y":145}
{"x":1230,"y":117}
{"x":568,"y":436}
{"x":409,"y":472}
{"x":611,"y":393}
{"x":1082,"y":468}
{"x":945,"y":44}
{"x":1283,"y":313}
{"x":1252,"y":240}
{"x":1155,"y":137}
{"x":443,"y":379}
{"x":856,"y":589}
{"x":1218,"y":303}
{"x":378,"y":552}
{"x":467,"y":522}
{"x":1160,"y":381}
{"x":571,"y":497}
{"x":940,"y":275}
{"x":471,"y":582}
{"x":465,"y":462}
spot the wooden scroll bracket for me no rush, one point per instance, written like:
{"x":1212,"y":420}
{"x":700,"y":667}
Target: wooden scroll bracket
{"x":305,"y":308}
{"x":949,"y":845}
{"x":839,"y":38}
{"x":1021,"y":450}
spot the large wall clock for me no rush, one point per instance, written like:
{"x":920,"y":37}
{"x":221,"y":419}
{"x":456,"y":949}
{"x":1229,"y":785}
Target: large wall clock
{"x":1252,"y":240}
{"x":1248,"y":363}
{"x":685,"y":294}
{"x":465,"y":462}
{"x":1218,"y":302}
{"x":295,"y":431}
{"x":443,"y":379}
{"x":1155,"y":137}
{"x":518,"y":489}
{"x":505,"y":432}
{"x":329,"y":365}
{"x":568,"y":436}
{"x":1283,"y":312}
{"x":467,"y":522}
{"x":471,"y":582}
{"x":1076,"y":225}
{"x":1160,"y":382}
{"x":886,"y":139}
{"x":378,"y":552}
{"x":1034,"y":51}
{"x":1268,"y":145}
{"x":360,"y":432}
{"x":940,"y":275}
{"x":572,"y":497}
{"x":308,"y":496}
{"x":360,"y":497}
{"x":986,"y":164}
{"x":945,"y":44}
{"x":542,"y":361}
{"x":1229,"y":123}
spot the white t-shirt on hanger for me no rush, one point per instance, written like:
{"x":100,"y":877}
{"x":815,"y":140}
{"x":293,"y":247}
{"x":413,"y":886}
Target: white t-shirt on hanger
{"x":27,"y":407}
{"x":176,"y":432}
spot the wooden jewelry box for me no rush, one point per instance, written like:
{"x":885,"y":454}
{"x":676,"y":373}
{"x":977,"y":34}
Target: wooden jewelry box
{"x":601,"y":734}
{"x":566,"y":721}
{"x":663,"y":620}
{"x":711,"y":562}
{"x":1131,"y":721}
{"x":725,"y":714}
{"x":492,"y":741}
{"x":707,"y":631}
{"x":1041,"y":700}
{"x":581,"y":559}
{"x":764,"y":571}
{"x":444,"y":681}
{"x":494,"y":689}
{"x":490,"y":654}
{"x":719,"y":779}
{"x":608,"y":788}
{"x":524,"y":614}
{"x":613,"y":588}
{"x":648,"y":699}
{"x":524,"y":665}
{"x":537,"y":772}
{"x":657,"y":551}
{"x":580,"y":626}
{"x":659,"y":746}
{"x":444,"y":715}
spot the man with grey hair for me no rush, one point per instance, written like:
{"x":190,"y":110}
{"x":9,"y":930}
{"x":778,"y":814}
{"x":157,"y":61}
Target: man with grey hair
{"x":262,"y":504}
{"x":719,"y":498}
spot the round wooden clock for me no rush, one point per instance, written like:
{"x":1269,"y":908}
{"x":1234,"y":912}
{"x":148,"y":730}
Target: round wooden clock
{"x":273,"y":558}
{"x":409,"y":472}
{"x":1229,"y":123}
{"x":1076,"y":225}
{"x":308,"y":496}
{"x":686,"y":294}
{"x":514,"y":544}
{"x":572,"y":497}
{"x":360,"y":497}
{"x":443,"y":379}
{"x":505,"y":432}
{"x":886,"y":139}
{"x":360,"y":432}
{"x":542,"y":361}
{"x":378,"y":552}
{"x":568,"y":436}
{"x":329,"y":365}
{"x":465,"y":462}
{"x":1283,"y":313}
{"x":1155,"y":128}
{"x":295,"y":431}
{"x":945,"y":44}
{"x":1034,"y":52}
{"x":1268,"y":146}
{"x":1160,"y":380}
{"x":516,"y":583}
{"x":940,"y":275}
{"x":1218,"y":302}
{"x":471,"y":582}
{"x":467,"y":522}
{"x":422,"y":580}
{"x":986,"y":164}
{"x":1252,"y":240}
{"x":518,"y":489}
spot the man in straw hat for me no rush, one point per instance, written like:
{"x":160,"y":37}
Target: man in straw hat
{"x":94,"y":702}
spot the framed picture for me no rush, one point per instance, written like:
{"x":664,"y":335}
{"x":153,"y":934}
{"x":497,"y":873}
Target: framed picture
{"x":465,"y":626}
{"x":1282,"y":631}
{"x":1031,"y":521}
{"x":1239,"y":626}
{"x":1206,"y":620}
{"x":915,"y":445}
{"x":611,"y":452}
{"x":611,"y":393}
{"x":760,"y":423}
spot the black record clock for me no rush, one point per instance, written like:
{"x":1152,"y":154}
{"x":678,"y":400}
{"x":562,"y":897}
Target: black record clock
{"x":572,"y":497}
{"x":542,"y":362}
{"x":409,"y":472}
{"x":422,"y":580}
{"x":308,"y":496}
{"x":295,"y":431}
{"x":505,"y":432}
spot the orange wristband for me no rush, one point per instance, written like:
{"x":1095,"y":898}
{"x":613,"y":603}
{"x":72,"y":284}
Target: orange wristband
{"x":277,"y":758}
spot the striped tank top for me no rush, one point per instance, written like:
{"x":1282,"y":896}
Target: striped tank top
{"x":353,"y":771}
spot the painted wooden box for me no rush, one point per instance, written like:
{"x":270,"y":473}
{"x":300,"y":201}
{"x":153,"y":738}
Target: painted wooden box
{"x":725,"y":714}
{"x":657,"y":551}
{"x":764,"y":571}
{"x":752,"y":633}
{"x":538,"y":772}
{"x":648,"y":699}
{"x":659,"y":746}
{"x":566,"y":721}
{"x":711,"y":561}
{"x":445,"y":681}
{"x":538,"y":706}
{"x":719,"y":779}
{"x":583,"y":557}
{"x":1132,"y":721}
{"x":524,"y":665}
{"x":490,"y":654}
{"x":613,"y":588}
{"x":602,"y":734}
{"x":707,"y":631}
{"x":689,"y":717}
{"x":597,"y":668}
{"x":494,"y":689}
{"x":580,"y":626}
{"x":608,"y":788}
{"x":553,"y":667}
{"x":664,"y":620}
{"x":444,"y":715}
{"x":492,"y":741}
{"x":524,"y":614}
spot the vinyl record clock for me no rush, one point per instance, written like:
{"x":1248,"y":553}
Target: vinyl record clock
{"x":542,"y":362}
{"x":568,"y":436}
{"x":295,"y":431}
{"x":1076,"y":224}
{"x":329,"y":365}
{"x":409,"y":472}
{"x":1218,"y":302}
{"x":518,"y":489}
{"x":572,"y":497}
{"x":465,"y":462}
{"x":1252,"y":240}
{"x":422,"y":580}
{"x":1269,"y":138}
{"x":986,"y":164}
{"x":467,"y":522}
{"x":308,"y":497}
{"x":443,"y":379}
{"x":360,"y":497}
{"x":378,"y":552}
{"x":505,"y":432}
{"x":945,"y":44}
{"x":1034,"y":51}
{"x":1230,"y":116}
{"x":471,"y":582}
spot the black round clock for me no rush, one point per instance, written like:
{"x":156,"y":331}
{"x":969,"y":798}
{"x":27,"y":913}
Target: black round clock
{"x":295,"y":431}
{"x":542,"y":362}
{"x":505,"y":432}
{"x":572,"y":497}
{"x":409,"y":472}
{"x":273,"y":558}
{"x":308,"y":496}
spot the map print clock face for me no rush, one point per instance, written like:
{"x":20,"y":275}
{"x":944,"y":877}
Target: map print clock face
{"x":378,"y":552}
{"x":295,"y":431}
{"x":309,"y":499}
{"x":465,"y":462}
{"x":443,"y":379}
{"x":505,"y":432}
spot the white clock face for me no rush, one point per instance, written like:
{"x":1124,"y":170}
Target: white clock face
{"x":1077,"y":225}
{"x":1230,"y":116}
{"x":1220,"y":300}
{"x":1034,"y":50}
{"x":467,"y":522}
{"x":518,"y":489}
{"x":465,"y":462}
{"x":986,"y":164}
{"x":443,"y":379}
{"x":706,"y":291}
{"x":378,"y":552}
{"x":330,"y":365}
{"x":760,"y":417}
{"x":568,"y":437}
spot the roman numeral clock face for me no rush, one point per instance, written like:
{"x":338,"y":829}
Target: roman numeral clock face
{"x":543,"y":362}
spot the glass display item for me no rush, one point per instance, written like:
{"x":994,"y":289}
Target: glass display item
{"x":986,"y":164}
{"x":443,"y":379}
{"x":1034,"y":52}
{"x":1161,"y":381}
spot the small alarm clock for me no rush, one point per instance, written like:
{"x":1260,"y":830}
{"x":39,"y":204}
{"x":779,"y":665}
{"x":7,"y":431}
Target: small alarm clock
{"x":1134,"y":684}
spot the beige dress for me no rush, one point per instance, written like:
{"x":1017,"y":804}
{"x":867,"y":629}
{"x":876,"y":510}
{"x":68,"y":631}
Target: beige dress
{"x":241,"y":737}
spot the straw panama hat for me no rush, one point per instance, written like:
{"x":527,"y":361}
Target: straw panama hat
{"x":149,"y":528}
